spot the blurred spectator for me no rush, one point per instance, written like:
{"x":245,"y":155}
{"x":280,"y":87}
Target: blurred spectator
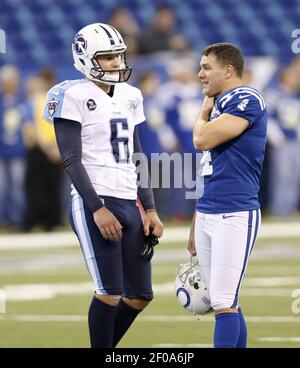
{"x":181,"y":99}
{"x":283,"y":134}
{"x":44,"y":174}
{"x":162,"y":35}
{"x":125,"y":23}
{"x":15,"y":122}
{"x":295,"y":66}
{"x":156,"y":136}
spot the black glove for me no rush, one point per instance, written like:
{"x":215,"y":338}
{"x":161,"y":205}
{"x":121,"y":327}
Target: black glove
{"x":148,"y":248}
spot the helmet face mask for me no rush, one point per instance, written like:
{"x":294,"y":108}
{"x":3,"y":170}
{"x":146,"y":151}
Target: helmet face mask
{"x":191,"y":289}
{"x":104,"y":75}
{"x":93,"y":41}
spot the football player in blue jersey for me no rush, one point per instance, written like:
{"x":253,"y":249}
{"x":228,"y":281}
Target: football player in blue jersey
{"x":95,"y":121}
{"x":231,"y":133}
{"x":283,"y":136}
{"x":15,"y":128}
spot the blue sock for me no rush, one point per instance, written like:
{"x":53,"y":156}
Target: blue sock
{"x":124,"y":318}
{"x":101,"y":324}
{"x":242,"y":342}
{"x":227,"y":330}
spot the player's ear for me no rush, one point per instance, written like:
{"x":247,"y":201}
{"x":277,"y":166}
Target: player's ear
{"x":229,"y":71}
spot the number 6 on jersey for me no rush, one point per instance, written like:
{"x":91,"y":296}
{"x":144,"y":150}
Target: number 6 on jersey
{"x":119,"y":139}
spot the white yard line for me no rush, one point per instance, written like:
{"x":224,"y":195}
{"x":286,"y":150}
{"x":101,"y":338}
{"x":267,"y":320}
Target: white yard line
{"x":172,"y":234}
{"x":23,"y":292}
{"x":44,"y":318}
{"x":145,"y":318}
{"x":272,"y":281}
{"x":266,"y":293}
{"x":270,"y":270}
{"x":196,"y":345}
{"x":39,"y":240}
{"x":279,"y":339}
{"x":211,"y":318}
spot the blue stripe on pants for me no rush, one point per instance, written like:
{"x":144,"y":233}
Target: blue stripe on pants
{"x":246,"y":256}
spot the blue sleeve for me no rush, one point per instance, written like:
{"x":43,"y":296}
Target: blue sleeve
{"x":248,"y":107}
{"x":68,"y":136}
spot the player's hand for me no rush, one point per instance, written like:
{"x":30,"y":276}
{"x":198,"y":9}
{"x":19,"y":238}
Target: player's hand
{"x":108,"y":225}
{"x":206,"y":107}
{"x":191,"y":244}
{"x":153,"y":225}
{"x":147,"y":250}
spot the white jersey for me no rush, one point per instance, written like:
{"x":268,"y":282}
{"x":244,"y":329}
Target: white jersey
{"x":107,"y":131}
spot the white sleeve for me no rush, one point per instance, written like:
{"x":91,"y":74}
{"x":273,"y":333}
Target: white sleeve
{"x":62,"y":104}
{"x":139,"y":115}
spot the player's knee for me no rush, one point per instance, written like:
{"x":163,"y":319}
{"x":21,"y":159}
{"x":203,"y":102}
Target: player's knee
{"x":109,"y":299}
{"x":226,"y":310}
{"x":222,"y":303}
{"x":138,"y":304}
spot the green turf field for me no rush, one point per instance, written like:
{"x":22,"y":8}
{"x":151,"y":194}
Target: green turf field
{"x":48,"y":292}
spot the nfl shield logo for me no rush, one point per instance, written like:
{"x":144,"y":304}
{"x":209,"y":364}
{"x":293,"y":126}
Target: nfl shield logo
{"x":91,"y":104}
{"x":52,"y":106}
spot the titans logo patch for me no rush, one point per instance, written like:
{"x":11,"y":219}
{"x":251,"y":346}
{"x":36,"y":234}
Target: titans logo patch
{"x":52,"y":104}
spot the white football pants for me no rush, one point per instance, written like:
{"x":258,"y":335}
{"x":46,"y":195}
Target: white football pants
{"x":223,"y":244}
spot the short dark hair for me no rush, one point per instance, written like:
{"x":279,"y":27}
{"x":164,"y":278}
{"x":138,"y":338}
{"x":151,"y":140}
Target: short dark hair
{"x":227,"y":53}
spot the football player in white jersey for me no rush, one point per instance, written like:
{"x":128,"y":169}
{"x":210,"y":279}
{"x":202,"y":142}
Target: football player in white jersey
{"x":231,"y":132}
{"x":95,"y":121}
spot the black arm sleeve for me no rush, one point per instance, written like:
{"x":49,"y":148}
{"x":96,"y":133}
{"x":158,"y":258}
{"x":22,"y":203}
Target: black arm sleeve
{"x":68,"y":136}
{"x":145,"y":193}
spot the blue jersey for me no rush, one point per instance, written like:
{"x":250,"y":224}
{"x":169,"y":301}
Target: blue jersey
{"x":231,"y":171}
